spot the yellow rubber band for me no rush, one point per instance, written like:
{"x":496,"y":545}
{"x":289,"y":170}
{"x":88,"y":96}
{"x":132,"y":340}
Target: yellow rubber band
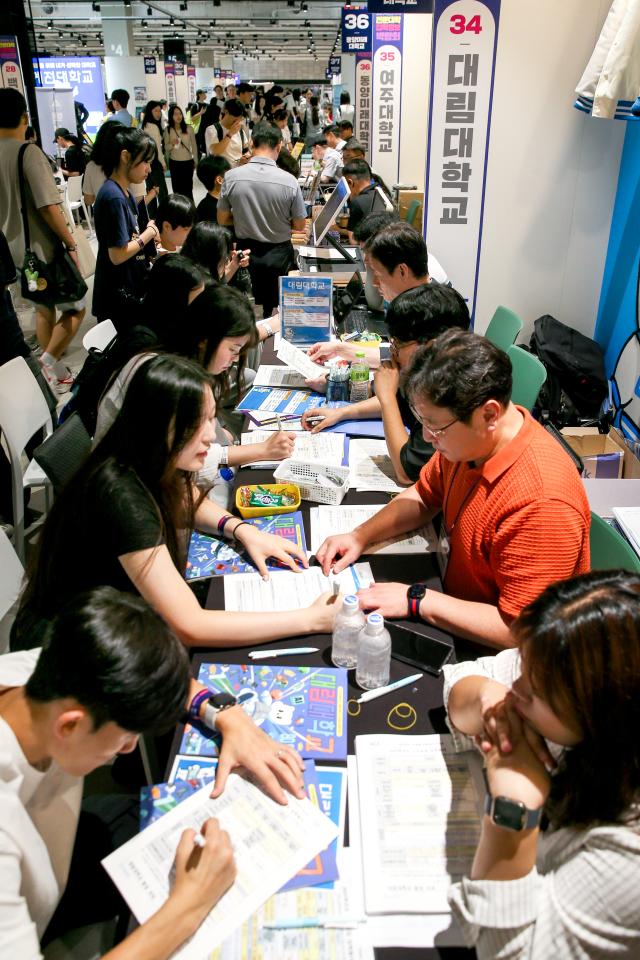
{"x":358,"y":705}
{"x":404,"y":712}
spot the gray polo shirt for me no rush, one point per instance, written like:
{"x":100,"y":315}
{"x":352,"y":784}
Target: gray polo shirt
{"x":263,"y":200}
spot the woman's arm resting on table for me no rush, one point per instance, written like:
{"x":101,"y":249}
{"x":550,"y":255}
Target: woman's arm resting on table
{"x":203,"y":875}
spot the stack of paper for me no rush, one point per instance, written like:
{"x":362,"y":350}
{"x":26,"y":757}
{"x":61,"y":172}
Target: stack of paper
{"x":371,"y":467}
{"x":289,"y":590}
{"x":327,"y":521}
{"x":629,"y":520}
{"x":270,"y":842}
{"x":327,"y":448}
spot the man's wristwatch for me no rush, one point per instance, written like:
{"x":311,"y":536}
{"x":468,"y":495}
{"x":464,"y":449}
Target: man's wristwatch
{"x":415,"y":593}
{"x":511,"y":814}
{"x":214,"y":704}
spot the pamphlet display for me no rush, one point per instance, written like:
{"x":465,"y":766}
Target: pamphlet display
{"x":306,"y":308}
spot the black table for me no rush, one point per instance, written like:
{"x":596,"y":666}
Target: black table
{"x":425,"y":695}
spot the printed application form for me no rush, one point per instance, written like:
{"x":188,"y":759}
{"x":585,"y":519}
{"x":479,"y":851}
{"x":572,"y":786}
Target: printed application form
{"x":268,"y":375}
{"x":298,"y":360}
{"x":289,"y":590}
{"x":327,"y":521}
{"x":419,"y":804}
{"x":371,"y":467}
{"x":327,"y":448}
{"x":270,"y":843}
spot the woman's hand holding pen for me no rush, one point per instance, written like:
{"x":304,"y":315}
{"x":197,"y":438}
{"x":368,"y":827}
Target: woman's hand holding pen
{"x":319,"y":418}
{"x":203,"y":872}
{"x":277,"y":447}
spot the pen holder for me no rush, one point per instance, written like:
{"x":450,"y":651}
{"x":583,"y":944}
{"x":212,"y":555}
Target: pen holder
{"x":266,"y":491}
{"x":317,"y":481}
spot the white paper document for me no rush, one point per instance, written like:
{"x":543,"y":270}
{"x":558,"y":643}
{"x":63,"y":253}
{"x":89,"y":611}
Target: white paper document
{"x":298,"y":360}
{"x":629,"y":520}
{"x":371,"y":467}
{"x":268,"y":375}
{"x":327,"y":521}
{"x":270,"y":844}
{"x":419,"y":806}
{"x":326,"y":448}
{"x":286,"y":590}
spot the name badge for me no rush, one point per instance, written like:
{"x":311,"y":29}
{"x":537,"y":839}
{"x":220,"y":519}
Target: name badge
{"x":443,"y":551}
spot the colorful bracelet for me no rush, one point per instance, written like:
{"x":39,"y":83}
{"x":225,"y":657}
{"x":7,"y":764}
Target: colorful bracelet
{"x":196,"y":703}
{"x":223,"y":522}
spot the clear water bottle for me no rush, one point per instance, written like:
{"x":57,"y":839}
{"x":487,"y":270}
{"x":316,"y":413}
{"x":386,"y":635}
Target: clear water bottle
{"x":346,"y":630}
{"x":374,"y":654}
{"x":360,"y":389}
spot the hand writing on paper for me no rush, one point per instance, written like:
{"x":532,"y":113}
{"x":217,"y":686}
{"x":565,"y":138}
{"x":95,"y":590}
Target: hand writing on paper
{"x":338,"y":552}
{"x":276,"y":767}
{"x":203,"y":874}
{"x":277,"y":447}
{"x":261,"y":546}
{"x":389,"y":599}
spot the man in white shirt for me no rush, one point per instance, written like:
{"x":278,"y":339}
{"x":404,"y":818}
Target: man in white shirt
{"x":228,"y":138}
{"x":109,"y":669}
{"x":330,"y":159}
{"x":334,"y":140}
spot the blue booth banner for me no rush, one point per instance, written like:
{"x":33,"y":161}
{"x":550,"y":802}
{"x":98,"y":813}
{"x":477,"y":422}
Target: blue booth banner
{"x":387,"y":94}
{"x":362,"y":120}
{"x":465,"y":35}
{"x":356,"y":30}
{"x":400,"y":6}
{"x":83,"y":75}
{"x":335,"y":65}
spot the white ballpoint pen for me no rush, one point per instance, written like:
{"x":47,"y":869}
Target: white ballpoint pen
{"x":280,"y":652}
{"x":380,"y":691}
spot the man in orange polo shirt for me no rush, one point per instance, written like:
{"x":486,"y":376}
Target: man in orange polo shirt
{"x":515,"y":514}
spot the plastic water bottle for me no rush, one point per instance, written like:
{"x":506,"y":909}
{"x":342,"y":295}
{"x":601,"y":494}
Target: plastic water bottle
{"x":359,"y":379}
{"x":374,"y":654}
{"x":346,"y":630}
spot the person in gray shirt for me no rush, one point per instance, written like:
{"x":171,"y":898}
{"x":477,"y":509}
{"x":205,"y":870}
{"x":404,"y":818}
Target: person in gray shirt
{"x":263,"y":204}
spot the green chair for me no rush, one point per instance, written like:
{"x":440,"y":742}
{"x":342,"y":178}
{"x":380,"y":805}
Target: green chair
{"x":412,"y":209}
{"x":504,"y":327}
{"x":528,"y":376}
{"x":609,"y":550}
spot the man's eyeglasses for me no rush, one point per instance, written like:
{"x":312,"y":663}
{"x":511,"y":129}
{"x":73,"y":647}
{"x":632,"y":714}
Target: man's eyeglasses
{"x":435,"y":432}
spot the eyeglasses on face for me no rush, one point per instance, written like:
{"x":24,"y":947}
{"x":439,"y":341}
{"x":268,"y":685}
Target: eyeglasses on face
{"x":435,"y":432}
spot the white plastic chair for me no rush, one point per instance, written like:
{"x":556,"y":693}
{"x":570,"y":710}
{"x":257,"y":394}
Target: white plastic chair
{"x":10,"y":585}
{"x":23,"y":411}
{"x":99,"y":336}
{"x":75,"y":199}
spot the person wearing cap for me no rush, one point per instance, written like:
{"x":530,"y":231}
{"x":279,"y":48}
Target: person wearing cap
{"x":74,"y":161}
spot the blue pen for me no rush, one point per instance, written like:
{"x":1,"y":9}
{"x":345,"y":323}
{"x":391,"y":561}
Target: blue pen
{"x":380,"y":691}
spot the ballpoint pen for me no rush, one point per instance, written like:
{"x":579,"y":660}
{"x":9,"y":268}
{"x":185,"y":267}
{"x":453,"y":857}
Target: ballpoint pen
{"x":380,"y":691}
{"x":280,"y":652}
{"x":279,"y":421}
{"x":315,"y":419}
{"x":329,"y":923}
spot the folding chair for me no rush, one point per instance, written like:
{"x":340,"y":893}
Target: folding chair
{"x":10,"y":586}
{"x":75,"y":199}
{"x":609,"y":550}
{"x":100,"y":336}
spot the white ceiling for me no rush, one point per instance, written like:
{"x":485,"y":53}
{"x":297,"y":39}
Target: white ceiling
{"x":243,"y":29}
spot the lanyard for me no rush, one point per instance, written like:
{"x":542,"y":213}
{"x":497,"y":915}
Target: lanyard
{"x":449,"y":530}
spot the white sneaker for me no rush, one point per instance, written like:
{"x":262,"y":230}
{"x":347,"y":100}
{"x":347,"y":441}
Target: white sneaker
{"x":59,"y":384}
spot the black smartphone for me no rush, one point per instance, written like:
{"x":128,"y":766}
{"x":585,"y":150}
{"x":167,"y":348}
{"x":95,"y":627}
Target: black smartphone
{"x":426,"y":652}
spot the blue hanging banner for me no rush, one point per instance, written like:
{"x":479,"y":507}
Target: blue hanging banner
{"x":83,"y":75}
{"x":356,"y":30}
{"x":335,"y":65}
{"x":465,"y":37}
{"x":400,"y":6}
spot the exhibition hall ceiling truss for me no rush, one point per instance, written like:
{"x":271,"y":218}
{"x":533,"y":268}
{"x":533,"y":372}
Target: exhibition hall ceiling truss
{"x":245,"y":29}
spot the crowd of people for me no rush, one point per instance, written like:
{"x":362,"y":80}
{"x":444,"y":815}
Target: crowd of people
{"x":99,"y":649}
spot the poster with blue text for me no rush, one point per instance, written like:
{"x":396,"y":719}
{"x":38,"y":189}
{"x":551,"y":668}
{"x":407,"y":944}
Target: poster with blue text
{"x":356,"y":29}
{"x":83,"y":75}
{"x":465,"y":35}
{"x":387,"y":94}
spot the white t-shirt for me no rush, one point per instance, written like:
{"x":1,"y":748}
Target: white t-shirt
{"x":39,"y":813}
{"x":234,"y":148}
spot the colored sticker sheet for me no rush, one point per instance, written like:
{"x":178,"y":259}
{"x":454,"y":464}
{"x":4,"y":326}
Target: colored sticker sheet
{"x":210,"y":557}
{"x":303,"y":707}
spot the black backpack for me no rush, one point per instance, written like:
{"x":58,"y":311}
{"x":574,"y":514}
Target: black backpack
{"x":100,"y":368}
{"x":576,"y":384}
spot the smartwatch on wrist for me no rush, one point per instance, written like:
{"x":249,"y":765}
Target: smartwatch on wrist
{"x":415,"y":593}
{"x":214,"y":705}
{"x":511,"y":814}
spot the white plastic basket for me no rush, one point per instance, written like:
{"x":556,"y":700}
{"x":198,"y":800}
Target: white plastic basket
{"x":306,"y":473}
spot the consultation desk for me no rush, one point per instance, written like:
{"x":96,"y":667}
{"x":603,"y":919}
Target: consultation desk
{"x":425,"y":695}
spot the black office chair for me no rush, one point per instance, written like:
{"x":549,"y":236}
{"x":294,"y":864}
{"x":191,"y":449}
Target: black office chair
{"x":62,"y":453}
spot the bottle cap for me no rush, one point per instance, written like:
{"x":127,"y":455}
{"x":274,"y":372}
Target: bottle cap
{"x":351,"y":601}
{"x":375,"y":620}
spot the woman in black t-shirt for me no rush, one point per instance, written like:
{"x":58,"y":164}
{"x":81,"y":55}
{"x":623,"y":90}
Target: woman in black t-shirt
{"x":122,"y":262}
{"x":125,"y":518}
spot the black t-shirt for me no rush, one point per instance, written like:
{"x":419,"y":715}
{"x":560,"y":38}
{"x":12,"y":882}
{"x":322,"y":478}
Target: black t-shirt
{"x":361,"y":206}
{"x":109,"y":519}
{"x":207,"y":209}
{"x":116,"y":223}
{"x":416,"y":451}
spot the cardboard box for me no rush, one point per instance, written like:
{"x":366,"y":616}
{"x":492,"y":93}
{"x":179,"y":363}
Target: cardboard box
{"x":631,"y":465}
{"x":602,"y":455}
{"x":405,"y":198}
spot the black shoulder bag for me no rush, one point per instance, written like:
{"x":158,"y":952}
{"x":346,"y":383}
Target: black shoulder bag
{"x":56,"y":282}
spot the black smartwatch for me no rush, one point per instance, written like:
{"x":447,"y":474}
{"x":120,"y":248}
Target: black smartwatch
{"x":215,"y":705}
{"x":415,"y":593}
{"x":511,"y":814}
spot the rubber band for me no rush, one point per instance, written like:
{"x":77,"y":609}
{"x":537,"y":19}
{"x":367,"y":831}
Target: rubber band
{"x":406,"y":714}
{"x":358,"y":705}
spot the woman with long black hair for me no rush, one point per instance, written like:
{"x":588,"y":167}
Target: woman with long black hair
{"x":181,"y":150}
{"x":125,"y":517}
{"x":557,"y":719}
{"x":152,"y":125}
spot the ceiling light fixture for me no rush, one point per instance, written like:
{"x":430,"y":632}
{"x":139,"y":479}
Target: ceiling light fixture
{"x":50,"y":25}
